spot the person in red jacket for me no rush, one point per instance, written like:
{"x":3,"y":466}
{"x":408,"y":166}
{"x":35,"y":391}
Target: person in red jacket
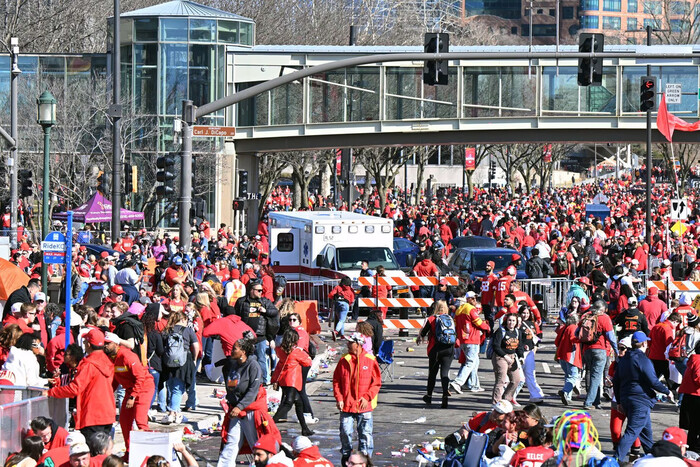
{"x":652,"y":306}
{"x":60,"y":456}
{"x":343,"y":296}
{"x":661,"y":337}
{"x":288,"y":376}
{"x":136,"y":381}
{"x":570,"y":356}
{"x":690,"y":405}
{"x":56,"y":348}
{"x":356,"y":383}
{"x":92,"y":388}
{"x":471,"y":330}
{"x":52,"y":435}
{"x":307,"y":454}
{"x":488,"y":289}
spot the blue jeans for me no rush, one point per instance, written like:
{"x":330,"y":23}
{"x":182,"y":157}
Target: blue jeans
{"x":192,"y":389}
{"x":469,"y":371}
{"x":208,"y":344}
{"x":176,"y":389}
{"x":341,"y":312}
{"x":571,"y":377}
{"x":638,"y":426}
{"x":261,"y":354}
{"x":595,"y":360}
{"x":239,"y":429}
{"x":364,"y":432}
{"x":162,"y":394}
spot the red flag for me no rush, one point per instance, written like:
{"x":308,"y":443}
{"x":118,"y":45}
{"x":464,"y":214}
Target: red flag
{"x":469,"y":158}
{"x":663,"y":124}
{"x":667,"y":123}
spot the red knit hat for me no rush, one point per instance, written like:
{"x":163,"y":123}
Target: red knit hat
{"x":267,"y":443}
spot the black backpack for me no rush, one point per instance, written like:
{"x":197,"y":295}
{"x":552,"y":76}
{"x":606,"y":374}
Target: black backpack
{"x":533,"y":269}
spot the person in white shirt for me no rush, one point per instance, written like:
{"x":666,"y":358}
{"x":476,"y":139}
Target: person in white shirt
{"x":22,"y":362}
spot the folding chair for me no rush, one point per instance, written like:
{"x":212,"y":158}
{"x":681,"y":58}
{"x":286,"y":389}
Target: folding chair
{"x":476,"y":447}
{"x":385,"y":359}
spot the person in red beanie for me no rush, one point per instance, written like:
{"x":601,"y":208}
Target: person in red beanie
{"x":92,"y":388}
{"x":235,"y":289}
{"x":266,"y":453}
{"x":136,"y":381}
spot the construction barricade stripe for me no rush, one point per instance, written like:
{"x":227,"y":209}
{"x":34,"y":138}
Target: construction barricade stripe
{"x":406,"y":281}
{"x":403,"y":323}
{"x":395,"y":302}
{"x":681,"y":286}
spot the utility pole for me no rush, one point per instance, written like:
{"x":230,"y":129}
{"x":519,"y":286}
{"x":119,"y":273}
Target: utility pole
{"x":14,"y":154}
{"x":185,"y":202}
{"x":115,"y":112}
{"x":648,"y":207}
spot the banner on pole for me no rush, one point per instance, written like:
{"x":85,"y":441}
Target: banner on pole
{"x":547,"y":153}
{"x":469,"y":158}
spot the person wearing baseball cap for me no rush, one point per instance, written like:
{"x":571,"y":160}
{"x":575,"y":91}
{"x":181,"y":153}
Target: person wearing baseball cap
{"x":669,"y":451}
{"x":356,"y":383}
{"x":266,"y":452}
{"x":136,"y":381}
{"x":488,"y":290}
{"x":92,"y":388}
{"x":635,"y":384}
{"x":60,"y":456}
{"x":484,"y":422}
{"x":307,"y":454}
{"x":175,"y":273}
{"x":631,"y":320}
{"x":652,"y":306}
{"x":470,"y":328}
{"x":79,"y":455}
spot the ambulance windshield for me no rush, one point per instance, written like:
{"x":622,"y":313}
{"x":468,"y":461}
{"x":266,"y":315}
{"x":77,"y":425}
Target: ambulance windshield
{"x":351,"y":258}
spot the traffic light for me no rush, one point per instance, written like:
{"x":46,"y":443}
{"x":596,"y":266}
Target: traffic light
{"x":165,"y":175}
{"x":242,"y":183}
{"x":492,"y":169}
{"x":588,"y":43}
{"x":238,"y":205}
{"x":647,"y":94}
{"x":128,"y":187}
{"x":435,"y":71}
{"x":103,"y":179}
{"x":25,"y":183}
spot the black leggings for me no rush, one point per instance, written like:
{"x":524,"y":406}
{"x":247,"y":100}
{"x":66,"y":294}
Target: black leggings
{"x":439,"y":359}
{"x":290,"y":396}
{"x":305,"y":397}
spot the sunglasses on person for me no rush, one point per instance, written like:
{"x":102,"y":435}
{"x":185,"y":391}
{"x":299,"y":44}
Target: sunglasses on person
{"x":258,"y":289}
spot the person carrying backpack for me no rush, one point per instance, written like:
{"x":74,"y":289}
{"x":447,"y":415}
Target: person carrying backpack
{"x":594,"y":329}
{"x":441,"y":334}
{"x":180,"y":349}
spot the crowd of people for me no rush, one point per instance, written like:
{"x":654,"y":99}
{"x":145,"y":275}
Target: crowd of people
{"x":142,"y":347}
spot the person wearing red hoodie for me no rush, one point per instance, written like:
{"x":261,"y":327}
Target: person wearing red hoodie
{"x":57,"y":347}
{"x":92,"y":388}
{"x":570,"y":356}
{"x":690,"y":405}
{"x":52,"y":435}
{"x":356,"y":383}
{"x":288,"y":376}
{"x":471,"y":330}
{"x":307,"y":454}
{"x":652,"y":306}
{"x":661,"y":337}
{"x":136,"y":381}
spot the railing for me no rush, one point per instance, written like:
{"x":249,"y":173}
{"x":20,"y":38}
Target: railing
{"x":18,"y":406}
{"x":313,"y":290}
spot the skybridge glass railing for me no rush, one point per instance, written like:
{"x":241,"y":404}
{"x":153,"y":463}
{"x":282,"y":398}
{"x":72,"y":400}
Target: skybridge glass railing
{"x":396,"y":92}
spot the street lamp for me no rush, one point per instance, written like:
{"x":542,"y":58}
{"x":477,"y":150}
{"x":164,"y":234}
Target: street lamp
{"x":46,"y":117}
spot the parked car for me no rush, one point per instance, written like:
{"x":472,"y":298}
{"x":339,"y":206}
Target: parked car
{"x":470,"y":263}
{"x":473,"y":241}
{"x":404,"y":248}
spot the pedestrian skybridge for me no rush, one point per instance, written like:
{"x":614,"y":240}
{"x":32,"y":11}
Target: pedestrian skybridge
{"x":498,"y":100}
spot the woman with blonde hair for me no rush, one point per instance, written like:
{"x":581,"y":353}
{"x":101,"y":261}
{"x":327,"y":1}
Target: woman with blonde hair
{"x":178,"y":374}
{"x":177,"y":300}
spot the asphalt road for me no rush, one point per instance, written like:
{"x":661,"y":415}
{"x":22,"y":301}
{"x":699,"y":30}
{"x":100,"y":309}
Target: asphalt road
{"x":402,"y":418}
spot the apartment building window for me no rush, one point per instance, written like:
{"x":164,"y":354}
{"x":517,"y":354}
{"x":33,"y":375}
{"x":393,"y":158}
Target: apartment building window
{"x":612,"y":5}
{"x":679,"y":25}
{"x":567,"y":12}
{"x":652,"y":7}
{"x":591,"y":5}
{"x":589,"y":22}
{"x":611,"y":22}
{"x":654,"y":23}
{"x":631,"y":24}
{"x":680,"y":8}
{"x":632,"y":6}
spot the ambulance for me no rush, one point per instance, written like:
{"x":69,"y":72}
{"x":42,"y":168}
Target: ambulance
{"x":318,"y":246}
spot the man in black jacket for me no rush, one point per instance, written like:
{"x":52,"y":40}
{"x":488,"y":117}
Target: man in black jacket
{"x":631,"y":320}
{"x":263,"y":317}
{"x":24,"y":294}
{"x":536,"y":267}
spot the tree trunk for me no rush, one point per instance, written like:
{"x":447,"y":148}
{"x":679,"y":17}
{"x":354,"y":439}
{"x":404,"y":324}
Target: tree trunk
{"x":420,"y":174}
{"x":470,"y":184}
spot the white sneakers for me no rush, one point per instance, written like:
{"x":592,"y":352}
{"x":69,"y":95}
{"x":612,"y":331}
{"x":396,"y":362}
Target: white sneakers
{"x":310,"y":419}
{"x":456,"y":387}
{"x":170,"y":418}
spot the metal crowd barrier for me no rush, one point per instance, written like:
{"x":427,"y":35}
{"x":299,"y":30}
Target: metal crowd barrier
{"x":18,"y":406}
{"x":313,"y":290}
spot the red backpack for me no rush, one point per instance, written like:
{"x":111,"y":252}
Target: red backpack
{"x":679,"y":347}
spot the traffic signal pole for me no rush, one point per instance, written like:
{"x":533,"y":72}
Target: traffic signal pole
{"x":185,"y":202}
{"x":14,"y":154}
{"x":115,"y":113}
{"x":648,"y":217}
